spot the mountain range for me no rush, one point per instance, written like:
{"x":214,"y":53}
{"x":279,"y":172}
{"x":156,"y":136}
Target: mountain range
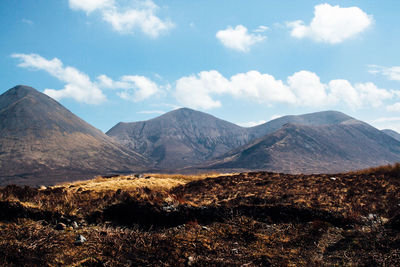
{"x":41,"y":142}
{"x":295,"y":148}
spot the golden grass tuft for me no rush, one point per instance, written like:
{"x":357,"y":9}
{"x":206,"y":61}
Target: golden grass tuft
{"x":153,"y":181}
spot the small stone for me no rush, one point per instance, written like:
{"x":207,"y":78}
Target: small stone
{"x":60,"y":226}
{"x":80,"y":239}
{"x":190,"y":261}
{"x":75,"y":225}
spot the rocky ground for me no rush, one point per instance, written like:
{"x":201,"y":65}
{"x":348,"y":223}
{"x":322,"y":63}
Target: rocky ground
{"x":248,"y":219}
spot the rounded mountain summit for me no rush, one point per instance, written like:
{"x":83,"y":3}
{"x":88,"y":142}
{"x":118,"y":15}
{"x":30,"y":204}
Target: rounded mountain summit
{"x":41,"y":142}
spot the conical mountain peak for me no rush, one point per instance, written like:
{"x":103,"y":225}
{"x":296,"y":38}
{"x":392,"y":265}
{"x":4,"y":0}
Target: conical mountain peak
{"x":45,"y":142}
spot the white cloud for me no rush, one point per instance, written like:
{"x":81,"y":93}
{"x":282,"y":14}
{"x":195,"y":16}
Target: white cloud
{"x":27,"y":21}
{"x":392,"y":123}
{"x":276,"y":116}
{"x":194,"y":91}
{"x":131,"y":87}
{"x":262,"y":88}
{"x":342,"y":90}
{"x":332,"y":24}
{"x":303,"y":89}
{"x":126,"y":19}
{"x":81,"y":88}
{"x":394,"y":108}
{"x":90,"y":5}
{"x":251,"y":123}
{"x":239,"y":38}
{"x":392,"y":73}
{"x":308,"y":88}
{"x":372,"y":95}
{"x":78,"y":85}
{"x":261,"y":28}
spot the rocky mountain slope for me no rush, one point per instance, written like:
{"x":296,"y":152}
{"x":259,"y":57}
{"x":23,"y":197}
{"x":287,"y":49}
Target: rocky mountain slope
{"x":392,"y":133}
{"x":312,"y":119}
{"x":41,"y":142}
{"x":181,"y":138}
{"x":326,"y":141}
{"x":295,"y":148}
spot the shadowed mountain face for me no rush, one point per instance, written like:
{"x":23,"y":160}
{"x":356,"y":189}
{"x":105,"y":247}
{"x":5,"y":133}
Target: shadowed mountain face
{"x":347,"y":145}
{"x":181,"y":138}
{"x":41,"y":142}
{"x":392,"y":134}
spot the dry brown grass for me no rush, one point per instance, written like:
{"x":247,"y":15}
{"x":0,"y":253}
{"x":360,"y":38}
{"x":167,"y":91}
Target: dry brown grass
{"x":152,"y":181}
{"x":392,"y":170}
{"x":250,"y":219}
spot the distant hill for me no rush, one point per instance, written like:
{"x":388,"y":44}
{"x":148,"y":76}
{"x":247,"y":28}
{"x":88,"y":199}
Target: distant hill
{"x":311,"y":119}
{"x":296,"y":148}
{"x":41,"y":142}
{"x":181,"y":138}
{"x":392,"y":133}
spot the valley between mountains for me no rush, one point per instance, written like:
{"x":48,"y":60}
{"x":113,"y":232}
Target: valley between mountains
{"x":43,"y":143}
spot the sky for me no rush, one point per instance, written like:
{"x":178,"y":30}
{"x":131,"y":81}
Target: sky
{"x":246,"y":62}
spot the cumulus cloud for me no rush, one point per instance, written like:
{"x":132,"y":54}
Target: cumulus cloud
{"x":81,"y":88}
{"x":392,"y":73}
{"x":303,"y":88}
{"x":127,"y":19}
{"x":332,"y":24}
{"x":239,"y":38}
{"x":131,"y":87}
{"x":78,"y":85}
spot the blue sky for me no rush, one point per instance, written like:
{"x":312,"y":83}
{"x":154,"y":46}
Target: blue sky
{"x":245,"y":62}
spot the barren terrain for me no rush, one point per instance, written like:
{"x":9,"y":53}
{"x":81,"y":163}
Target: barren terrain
{"x":247,"y":219}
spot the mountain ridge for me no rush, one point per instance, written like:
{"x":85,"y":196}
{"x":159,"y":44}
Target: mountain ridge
{"x":180,"y":137}
{"x":137,"y":135}
{"x":347,"y":146}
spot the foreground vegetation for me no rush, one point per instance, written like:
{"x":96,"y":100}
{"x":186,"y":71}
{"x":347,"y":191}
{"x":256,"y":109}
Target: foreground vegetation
{"x":248,"y":219}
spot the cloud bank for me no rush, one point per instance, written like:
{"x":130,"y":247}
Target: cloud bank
{"x":303,"y":88}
